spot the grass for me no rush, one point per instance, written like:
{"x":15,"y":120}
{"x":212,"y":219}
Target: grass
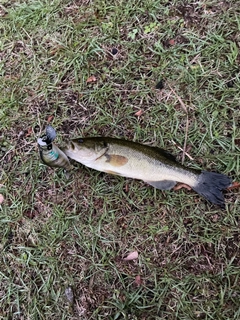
{"x":61,"y":234}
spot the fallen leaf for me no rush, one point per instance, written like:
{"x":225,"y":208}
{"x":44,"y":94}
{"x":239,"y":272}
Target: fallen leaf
{"x":138,"y":113}
{"x":132,"y":256}
{"x":50,"y":118}
{"x":234,"y":185}
{"x":1,"y":198}
{"x":171,"y":42}
{"x":91,"y":79}
{"x":182,"y":185}
{"x":29,"y":132}
{"x":138,"y":280}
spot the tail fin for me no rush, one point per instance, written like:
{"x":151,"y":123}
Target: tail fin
{"x":210,"y":186}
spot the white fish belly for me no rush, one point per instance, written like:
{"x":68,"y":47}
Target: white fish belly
{"x":143,"y":170}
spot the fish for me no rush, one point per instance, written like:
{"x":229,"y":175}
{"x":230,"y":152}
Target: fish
{"x":153,"y":165}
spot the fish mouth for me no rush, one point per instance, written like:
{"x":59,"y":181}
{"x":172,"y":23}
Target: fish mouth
{"x":73,"y":152}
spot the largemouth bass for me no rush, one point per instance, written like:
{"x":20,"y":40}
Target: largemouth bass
{"x":153,"y":165}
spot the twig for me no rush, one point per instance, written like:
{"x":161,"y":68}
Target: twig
{"x":179,"y":99}
{"x":9,"y":151}
{"x":185,"y":140}
{"x":187,"y":123}
{"x":187,"y":154}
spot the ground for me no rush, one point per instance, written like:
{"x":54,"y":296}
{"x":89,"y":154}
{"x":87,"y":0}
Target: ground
{"x":163,"y":73}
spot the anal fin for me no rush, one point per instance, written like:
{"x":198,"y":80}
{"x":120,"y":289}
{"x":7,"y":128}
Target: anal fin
{"x":162,"y":185}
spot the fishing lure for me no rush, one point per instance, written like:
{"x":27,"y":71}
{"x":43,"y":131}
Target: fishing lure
{"x":50,"y":154}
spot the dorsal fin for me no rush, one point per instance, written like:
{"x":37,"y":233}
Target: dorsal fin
{"x":166,"y":154}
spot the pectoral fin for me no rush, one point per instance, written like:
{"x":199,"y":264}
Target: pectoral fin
{"x":162,"y":185}
{"x":116,"y":160}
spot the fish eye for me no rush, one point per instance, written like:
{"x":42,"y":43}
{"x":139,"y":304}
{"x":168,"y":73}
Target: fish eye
{"x":80,"y":140}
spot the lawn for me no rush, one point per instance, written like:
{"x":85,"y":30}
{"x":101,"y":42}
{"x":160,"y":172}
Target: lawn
{"x":158,"y":72}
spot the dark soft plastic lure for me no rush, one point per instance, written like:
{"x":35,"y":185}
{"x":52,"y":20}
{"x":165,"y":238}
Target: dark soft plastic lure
{"x":50,"y":134}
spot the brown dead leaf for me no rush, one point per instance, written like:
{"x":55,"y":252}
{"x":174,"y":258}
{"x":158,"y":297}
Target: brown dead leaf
{"x":1,"y":198}
{"x":132,"y":256}
{"x":171,"y":42}
{"x":91,"y":79}
{"x":29,"y":132}
{"x":50,"y":118}
{"x":138,"y":113}
{"x":182,"y":185}
{"x":235,"y":185}
{"x":138,"y":280}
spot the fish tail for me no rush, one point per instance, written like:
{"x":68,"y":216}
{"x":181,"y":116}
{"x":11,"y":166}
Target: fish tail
{"x":210,"y":186}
